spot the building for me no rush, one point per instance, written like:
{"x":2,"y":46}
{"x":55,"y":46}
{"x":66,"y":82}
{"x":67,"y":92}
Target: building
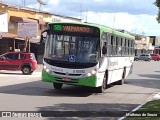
{"x":155,"y":40}
{"x":11,"y":15}
{"x":143,"y":46}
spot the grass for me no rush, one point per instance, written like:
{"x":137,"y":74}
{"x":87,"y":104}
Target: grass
{"x":149,"y":111}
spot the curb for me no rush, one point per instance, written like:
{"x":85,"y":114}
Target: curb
{"x":156,"y":97}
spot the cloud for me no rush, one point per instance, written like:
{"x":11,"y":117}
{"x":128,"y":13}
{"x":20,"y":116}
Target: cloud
{"x":133,"y":15}
{"x":53,"y":2}
{"x":74,"y":7}
{"x":127,"y":6}
{"x":134,"y":23}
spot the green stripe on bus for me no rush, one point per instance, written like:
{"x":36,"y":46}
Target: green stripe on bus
{"x":86,"y":81}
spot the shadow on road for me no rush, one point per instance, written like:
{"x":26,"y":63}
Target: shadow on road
{"x":146,"y":83}
{"x":39,"y":88}
{"x":151,"y":76}
{"x":11,"y":73}
{"x":113,"y":111}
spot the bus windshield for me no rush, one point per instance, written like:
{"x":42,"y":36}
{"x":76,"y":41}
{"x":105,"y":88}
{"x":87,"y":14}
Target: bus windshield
{"x":68,"y":48}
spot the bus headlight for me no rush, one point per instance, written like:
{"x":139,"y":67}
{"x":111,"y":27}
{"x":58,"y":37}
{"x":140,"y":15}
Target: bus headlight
{"x":47,"y":70}
{"x":93,"y":72}
{"x":45,"y":67}
{"x":89,"y":74}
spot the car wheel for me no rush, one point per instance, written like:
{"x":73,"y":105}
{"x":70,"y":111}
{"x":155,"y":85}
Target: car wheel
{"x":26,"y":70}
{"x":136,"y":59}
{"x":149,"y":60}
{"x":57,"y":85}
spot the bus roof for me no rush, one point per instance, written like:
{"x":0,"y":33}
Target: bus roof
{"x":102,"y":28}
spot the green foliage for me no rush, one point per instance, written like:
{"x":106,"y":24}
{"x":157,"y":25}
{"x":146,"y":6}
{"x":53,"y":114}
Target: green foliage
{"x":157,"y":3}
{"x":158,"y":16}
{"x":150,"y":108}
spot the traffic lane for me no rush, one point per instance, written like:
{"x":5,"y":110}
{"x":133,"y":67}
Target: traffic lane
{"x":37,"y":93}
{"x":144,"y":67}
{"x":38,"y":96}
{"x":16,"y":77}
{"x":146,"y":75}
{"x":33,"y":81}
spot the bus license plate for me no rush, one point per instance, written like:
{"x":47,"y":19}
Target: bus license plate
{"x":66,"y":79}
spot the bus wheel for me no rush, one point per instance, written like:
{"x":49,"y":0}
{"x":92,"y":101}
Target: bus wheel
{"x":57,"y":85}
{"x":121,"y":82}
{"x":102,"y":88}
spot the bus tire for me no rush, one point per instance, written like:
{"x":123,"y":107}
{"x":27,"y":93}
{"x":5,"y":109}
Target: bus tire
{"x":102,"y":88}
{"x":121,"y":82}
{"x":57,"y":85}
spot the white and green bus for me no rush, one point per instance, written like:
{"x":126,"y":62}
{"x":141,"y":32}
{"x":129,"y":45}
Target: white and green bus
{"x":86,"y":54}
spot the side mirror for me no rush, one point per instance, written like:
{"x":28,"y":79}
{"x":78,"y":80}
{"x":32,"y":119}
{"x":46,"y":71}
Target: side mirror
{"x":43,"y":37}
{"x":42,"y":40}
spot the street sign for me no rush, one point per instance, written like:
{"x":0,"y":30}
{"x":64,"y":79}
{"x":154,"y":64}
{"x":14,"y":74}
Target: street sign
{"x":72,"y":58}
{"x":27,"y":29}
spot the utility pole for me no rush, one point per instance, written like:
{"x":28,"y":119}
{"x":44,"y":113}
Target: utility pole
{"x":23,"y":3}
{"x":81,"y":9}
{"x":86,"y":15}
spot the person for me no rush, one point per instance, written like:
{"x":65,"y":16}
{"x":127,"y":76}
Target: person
{"x":104,"y":49}
{"x":72,"y":49}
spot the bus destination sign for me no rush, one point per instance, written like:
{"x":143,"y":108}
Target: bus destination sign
{"x":73,"y":28}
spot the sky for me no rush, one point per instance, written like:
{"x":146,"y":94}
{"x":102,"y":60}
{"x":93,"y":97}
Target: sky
{"x":136,"y":16}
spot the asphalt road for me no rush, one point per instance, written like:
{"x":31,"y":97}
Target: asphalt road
{"x":28,"y":93}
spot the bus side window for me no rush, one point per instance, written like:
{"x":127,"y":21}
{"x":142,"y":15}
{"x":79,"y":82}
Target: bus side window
{"x":123,"y":46}
{"x":109,"y":46}
{"x":129,"y":47}
{"x":104,"y":44}
{"x":113,"y":43}
{"x":119,"y":46}
{"x":132,"y":47}
{"x":126,"y":47}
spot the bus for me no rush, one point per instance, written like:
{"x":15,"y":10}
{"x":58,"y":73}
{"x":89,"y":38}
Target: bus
{"x":86,"y":54}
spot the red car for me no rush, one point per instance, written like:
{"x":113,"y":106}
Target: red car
{"x":23,"y":61}
{"x":155,"y":57}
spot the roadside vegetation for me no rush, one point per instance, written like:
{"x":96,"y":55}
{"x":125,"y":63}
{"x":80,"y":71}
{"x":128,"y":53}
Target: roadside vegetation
{"x":149,"y":111}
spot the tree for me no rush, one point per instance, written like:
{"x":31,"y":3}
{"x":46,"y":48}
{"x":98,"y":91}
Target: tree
{"x":157,"y":3}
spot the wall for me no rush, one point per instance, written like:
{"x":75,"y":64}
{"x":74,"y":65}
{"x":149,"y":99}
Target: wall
{"x":4,"y":22}
{"x":43,"y":17}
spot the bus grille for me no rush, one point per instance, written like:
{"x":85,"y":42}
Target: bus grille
{"x":67,"y":74}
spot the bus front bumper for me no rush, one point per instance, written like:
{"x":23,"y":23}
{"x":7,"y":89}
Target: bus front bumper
{"x":83,"y":81}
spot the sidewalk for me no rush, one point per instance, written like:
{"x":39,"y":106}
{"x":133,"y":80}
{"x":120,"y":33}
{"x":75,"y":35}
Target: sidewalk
{"x":40,"y":66}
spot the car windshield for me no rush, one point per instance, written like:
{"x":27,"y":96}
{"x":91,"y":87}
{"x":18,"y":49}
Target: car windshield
{"x":71,"y":48}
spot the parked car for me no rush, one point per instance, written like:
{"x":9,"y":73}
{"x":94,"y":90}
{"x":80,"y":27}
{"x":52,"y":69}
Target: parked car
{"x":155,"y":57}
{"x":145,"y":57}
{"x":23,"y":61}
